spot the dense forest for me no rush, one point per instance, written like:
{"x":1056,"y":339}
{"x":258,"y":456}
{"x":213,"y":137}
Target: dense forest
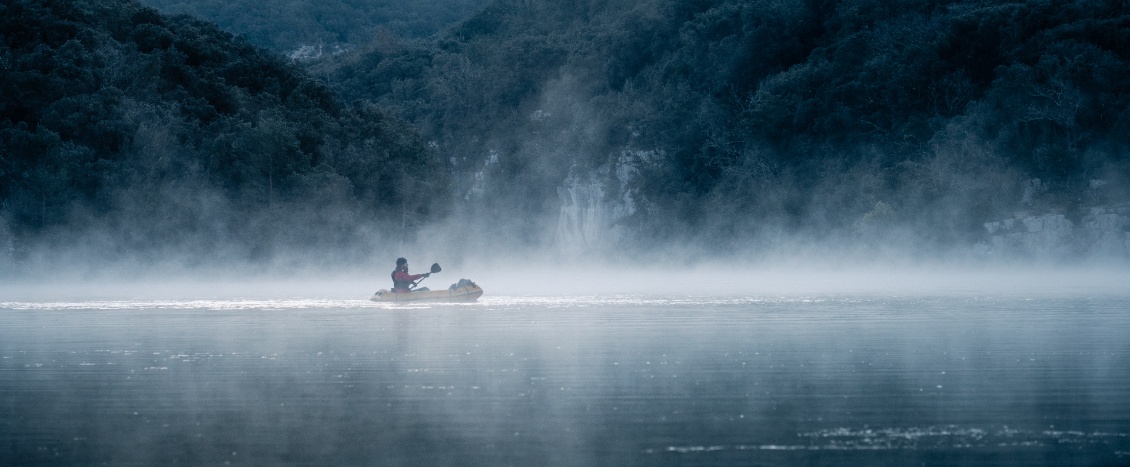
{"x":125,"y":132}
{"x":735,"y":125}
{"x":640,"y":130}
{"x":324,"y":25}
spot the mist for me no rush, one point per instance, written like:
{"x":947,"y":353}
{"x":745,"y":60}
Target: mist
{"x":564,"y":147}
{"x":711,"y":233}
{"x":651,"y":136}
{"x":972,"y":379}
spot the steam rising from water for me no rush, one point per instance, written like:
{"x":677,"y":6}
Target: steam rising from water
{"x":351,"y":288}
{"x":582,"y":379}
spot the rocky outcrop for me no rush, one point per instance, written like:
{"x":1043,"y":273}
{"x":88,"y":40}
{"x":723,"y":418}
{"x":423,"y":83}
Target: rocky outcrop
{"x":594,"y":202}
{"x":1099,"y":233}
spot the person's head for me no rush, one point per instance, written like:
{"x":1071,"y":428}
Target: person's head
{"x":401,"y":262}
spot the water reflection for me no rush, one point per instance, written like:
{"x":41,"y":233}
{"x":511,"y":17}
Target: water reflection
{"x":569,"y":381}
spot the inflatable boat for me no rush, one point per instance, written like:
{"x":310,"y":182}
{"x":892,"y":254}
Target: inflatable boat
{"x":464,"y":291}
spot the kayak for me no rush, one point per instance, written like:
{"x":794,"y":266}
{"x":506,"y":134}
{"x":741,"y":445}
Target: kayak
{"x":465,"y":293}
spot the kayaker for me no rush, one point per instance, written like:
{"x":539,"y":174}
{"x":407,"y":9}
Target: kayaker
{"x":401,"y":280}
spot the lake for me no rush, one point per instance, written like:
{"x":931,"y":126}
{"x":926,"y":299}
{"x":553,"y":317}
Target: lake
{"x":646,"y":379}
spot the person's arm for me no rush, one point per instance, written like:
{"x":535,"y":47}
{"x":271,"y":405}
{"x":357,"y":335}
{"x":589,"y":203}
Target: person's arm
{"x":403,"y":276}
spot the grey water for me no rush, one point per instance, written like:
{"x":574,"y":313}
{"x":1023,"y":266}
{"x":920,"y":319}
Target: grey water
{"x":544,"y":380}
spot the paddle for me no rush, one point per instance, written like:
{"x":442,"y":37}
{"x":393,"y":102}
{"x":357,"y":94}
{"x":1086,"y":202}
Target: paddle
{"x":435,"y":269}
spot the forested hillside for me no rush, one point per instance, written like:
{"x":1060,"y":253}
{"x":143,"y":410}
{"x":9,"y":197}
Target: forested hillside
{"x":735,"y":125}
{"x":652,"y":129}
{"x":324,"y":25}
{"x":124,"y":131}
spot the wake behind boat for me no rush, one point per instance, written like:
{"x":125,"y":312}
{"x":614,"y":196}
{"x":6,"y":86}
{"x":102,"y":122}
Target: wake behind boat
{"x":463,"y":291}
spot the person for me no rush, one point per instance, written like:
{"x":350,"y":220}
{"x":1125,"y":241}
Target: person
{"x":402,"y":281}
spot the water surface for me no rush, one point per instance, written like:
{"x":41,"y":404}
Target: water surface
{"x":608,"y":380}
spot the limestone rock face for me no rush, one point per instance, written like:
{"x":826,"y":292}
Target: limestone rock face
{"x":1100,"y":233}
{"x":594,"y":202}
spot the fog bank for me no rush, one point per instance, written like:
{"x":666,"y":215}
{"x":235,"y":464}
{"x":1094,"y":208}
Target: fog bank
{"x":689,"y":282}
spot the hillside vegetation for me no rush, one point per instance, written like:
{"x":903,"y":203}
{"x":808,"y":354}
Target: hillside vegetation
{"x":124,"y":131}
{"x":658,"y":129}
{"x":732,"y":123}
{"x":286,"y":25}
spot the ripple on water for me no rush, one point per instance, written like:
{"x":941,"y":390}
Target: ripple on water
{"x":950,"y":437}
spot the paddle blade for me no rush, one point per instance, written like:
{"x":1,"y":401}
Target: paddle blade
{"x":436,"y":268}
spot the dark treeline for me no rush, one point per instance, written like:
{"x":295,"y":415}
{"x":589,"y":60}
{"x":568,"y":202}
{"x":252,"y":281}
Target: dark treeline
{"x":286,"y":25}
{"x":626,"y":126}
{"x":910,"y":121}
{"x":149,"y":133}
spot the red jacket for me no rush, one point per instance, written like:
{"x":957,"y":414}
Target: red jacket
{"x":402,"y":281}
